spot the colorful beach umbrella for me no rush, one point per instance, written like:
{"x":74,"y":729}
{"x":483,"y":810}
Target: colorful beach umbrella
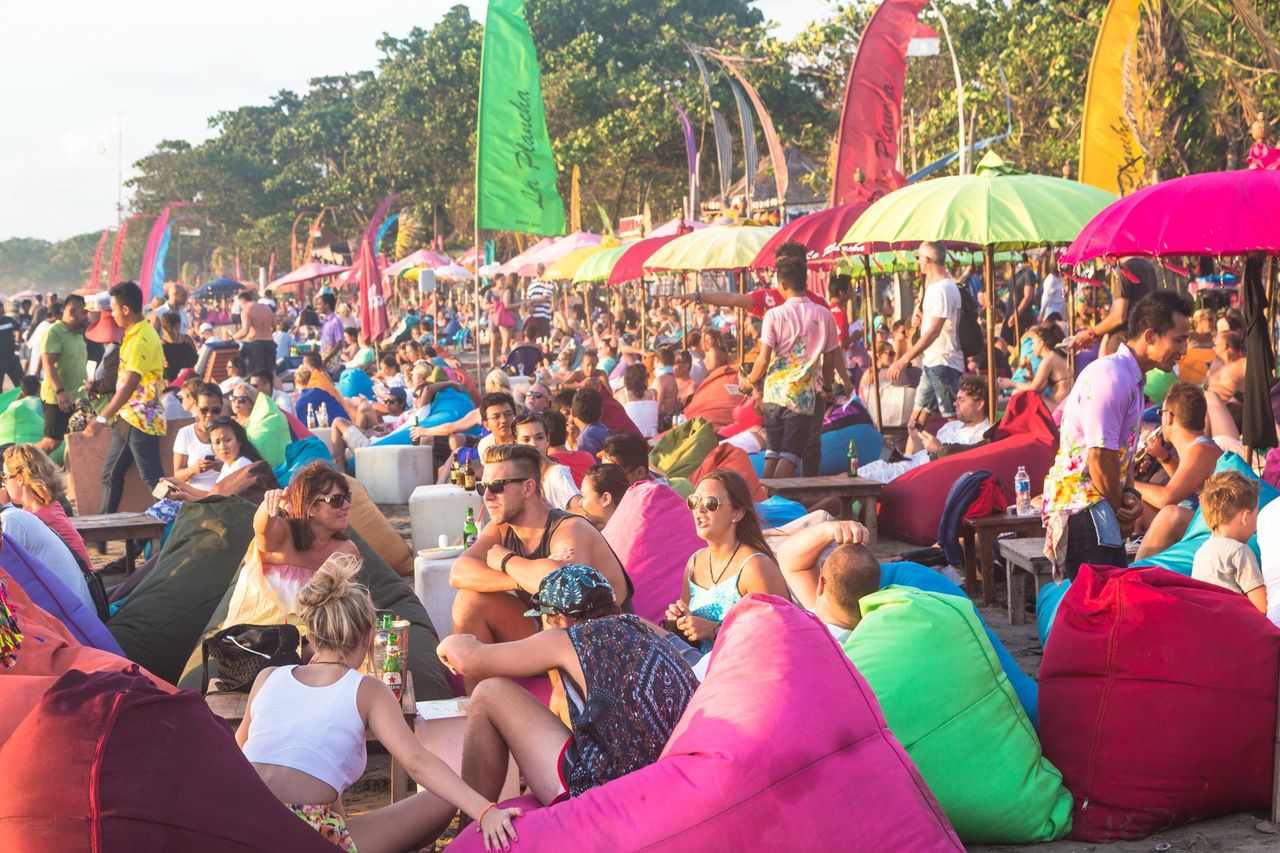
{"x":720,"y":247}
{"x":630,"y":265}
{"x":818,"y":232}
{"x":413,"y":261}
{"x":453,"y":271}
{"x":1215,"y":213}
{"x":307,"y":272}
{"x":597,"y":267}
{"x":567,"y":267}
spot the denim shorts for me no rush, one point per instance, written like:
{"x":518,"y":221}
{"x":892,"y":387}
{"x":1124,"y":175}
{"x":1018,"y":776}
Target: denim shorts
{"x":937,"y":390}
{"x":786,"y":433}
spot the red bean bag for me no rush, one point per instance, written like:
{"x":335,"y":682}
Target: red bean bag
{"x":1158,"y":701}
{"x":754,"y":767}
{"x":653,"y":535}
{"x":732,"y":458}
{"x":615,"y":417}
{"x":712,"y":401}
{"x":109,"y":761}
{"x":911,"y":505}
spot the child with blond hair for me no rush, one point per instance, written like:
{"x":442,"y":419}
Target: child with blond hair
{"x":1229,"y":503}
{"x":304,"y":732}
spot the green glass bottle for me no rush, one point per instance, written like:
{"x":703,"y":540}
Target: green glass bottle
{"x":469,"y":529}
{"x":853,"y":459}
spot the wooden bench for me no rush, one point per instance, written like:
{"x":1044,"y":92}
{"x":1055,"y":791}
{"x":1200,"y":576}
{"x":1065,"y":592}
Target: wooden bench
{"x":216,"y":369}
{"x":132,"y":527}
{"x":1024,"y":557}
{"x":978,"y":537}
{"x":231,"y":707}
{"x":840,"y":486}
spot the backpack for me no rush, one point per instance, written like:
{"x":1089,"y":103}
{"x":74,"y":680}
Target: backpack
{"x":972,"y":343}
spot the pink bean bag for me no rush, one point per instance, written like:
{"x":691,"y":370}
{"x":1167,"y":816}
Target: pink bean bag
{"x":911,"y":505}
{"x":1158,"y":701}
{"x":652,"y":533}
{"x":769,"y":755}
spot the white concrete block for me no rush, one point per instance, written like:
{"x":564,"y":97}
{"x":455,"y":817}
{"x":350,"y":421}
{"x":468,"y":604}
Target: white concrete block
{"x":325,"y":434}
{"x":390,"y":473}
{"x":431,"y":585}
{"x":440,"y":509}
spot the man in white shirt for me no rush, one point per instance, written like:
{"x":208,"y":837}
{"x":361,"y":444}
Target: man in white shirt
{"x":1053,"y":300}
{"x":969,"y":426}
{"x":939,"y":341}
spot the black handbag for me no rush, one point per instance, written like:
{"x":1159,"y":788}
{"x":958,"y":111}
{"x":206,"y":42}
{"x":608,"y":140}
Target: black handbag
{"x":242,"y":651}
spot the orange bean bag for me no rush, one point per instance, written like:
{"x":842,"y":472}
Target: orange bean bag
{"x":712,"y":401}
{"x":734,"y":459}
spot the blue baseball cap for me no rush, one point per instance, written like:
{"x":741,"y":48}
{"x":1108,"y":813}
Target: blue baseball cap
{"x":573,"y":590}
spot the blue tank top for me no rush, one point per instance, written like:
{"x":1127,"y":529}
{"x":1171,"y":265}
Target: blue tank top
{"x":714,"y":603}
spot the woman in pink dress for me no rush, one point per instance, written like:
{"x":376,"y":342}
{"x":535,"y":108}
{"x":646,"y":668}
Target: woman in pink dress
{"x":34,"y":483}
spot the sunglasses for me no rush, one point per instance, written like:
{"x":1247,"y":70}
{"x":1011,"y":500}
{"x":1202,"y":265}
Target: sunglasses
{"x":337,"y":500}
{"x":534,"y":395}
{"x":498,"y":486}
{"x":211,"y":411}
{"x":236,"y":400}
{"x":710,"y":503}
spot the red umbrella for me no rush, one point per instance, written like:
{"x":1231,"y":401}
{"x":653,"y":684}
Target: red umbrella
{"x":631,"y":265}
{"x":373,"y":308}
{"x":819,"y":233}
{"x":1215,"y":213}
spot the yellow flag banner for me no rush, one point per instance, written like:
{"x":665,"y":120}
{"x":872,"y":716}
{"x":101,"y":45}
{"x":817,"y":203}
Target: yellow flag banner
{"x":1110,"y":158}
{"x":575,"y":201}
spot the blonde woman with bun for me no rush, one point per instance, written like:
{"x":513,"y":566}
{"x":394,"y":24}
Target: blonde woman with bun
{"x":304,"y":732}
{"x":33,"y":482}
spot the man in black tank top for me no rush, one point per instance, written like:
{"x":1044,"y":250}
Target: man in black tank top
{"x":523,"y":542}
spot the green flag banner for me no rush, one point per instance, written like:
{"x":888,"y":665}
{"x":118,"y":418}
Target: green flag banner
{"x":515,"y":170}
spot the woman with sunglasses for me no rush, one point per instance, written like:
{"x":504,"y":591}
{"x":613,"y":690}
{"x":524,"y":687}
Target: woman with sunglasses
{"x":231,"y":448}
{"x":736,"y":561}
{"x":240,"y":400}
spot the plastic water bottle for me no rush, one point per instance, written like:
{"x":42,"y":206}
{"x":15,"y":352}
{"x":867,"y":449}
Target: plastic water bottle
{"x":1022,"y":489}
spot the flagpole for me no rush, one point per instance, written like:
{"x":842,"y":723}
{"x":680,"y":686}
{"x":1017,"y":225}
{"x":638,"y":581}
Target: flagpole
{"x":476,"y":293}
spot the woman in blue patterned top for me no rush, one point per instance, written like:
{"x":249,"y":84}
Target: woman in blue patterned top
{"x":626,"y":689}
{"x":735,"y":562}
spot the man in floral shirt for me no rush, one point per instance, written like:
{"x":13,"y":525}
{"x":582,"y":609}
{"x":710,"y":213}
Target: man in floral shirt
{"x":137,"y":432}
{"x":1087,"y":508}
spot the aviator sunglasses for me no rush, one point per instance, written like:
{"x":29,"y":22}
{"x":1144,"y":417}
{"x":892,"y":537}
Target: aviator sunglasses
{"x":711,"y":503}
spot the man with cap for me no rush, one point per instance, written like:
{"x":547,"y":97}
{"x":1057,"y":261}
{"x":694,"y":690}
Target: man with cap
{"x":65,"y":360}
{"x":347,"y":437}
{"x":639,"y":687}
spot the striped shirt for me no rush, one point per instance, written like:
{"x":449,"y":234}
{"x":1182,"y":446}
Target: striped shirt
{"x":539,"y":289}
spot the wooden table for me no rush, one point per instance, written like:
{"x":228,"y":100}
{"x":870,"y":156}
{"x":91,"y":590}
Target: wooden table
{"x":978,"y":536}
{"x":132,"y":527}
{"x":1024,"y":557}
{"x":231,"y":707}
{"x":841,"y":486}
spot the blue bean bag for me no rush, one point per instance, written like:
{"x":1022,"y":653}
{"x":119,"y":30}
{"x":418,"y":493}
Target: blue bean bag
{"x":51,"y":594}
{"x":924,"y":578}
{"x":1047,"y":607}
{"x":777,"y":511}
{"x":296,"y":455}
{"x":355,"y":383}
{"x":449,"y":405}
{"x":835,"y":449}
{"x":317,"y":399}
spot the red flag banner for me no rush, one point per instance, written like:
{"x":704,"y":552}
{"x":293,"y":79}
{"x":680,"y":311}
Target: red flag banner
{"x":373,"y":308}
{"x":94,"y":284}
{"x":872,"y":113}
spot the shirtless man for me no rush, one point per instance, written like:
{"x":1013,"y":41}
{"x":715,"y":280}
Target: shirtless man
{"x":257,"y":325}
{"x":524,"y":541}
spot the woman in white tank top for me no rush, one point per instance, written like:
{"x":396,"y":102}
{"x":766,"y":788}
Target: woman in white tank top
{"x":304,"y":732}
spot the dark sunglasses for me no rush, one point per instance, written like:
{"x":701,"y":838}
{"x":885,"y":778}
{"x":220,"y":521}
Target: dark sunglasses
{"x":213,"y":411}
{"x":534,"y":395}
{"x":498,"y":486}
{"x":235,"y":400}
{"x":337,"y":500}
{"x":711,"y":503}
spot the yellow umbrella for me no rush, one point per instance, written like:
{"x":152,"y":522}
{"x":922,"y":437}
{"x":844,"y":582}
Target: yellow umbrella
{"x":719,"y":247}
{"x":565,"y":268}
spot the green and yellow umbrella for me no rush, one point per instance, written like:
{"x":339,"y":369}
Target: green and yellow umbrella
{"x":597,"y":267}
{"x":719,"y":247}
{"x":566,"y":267}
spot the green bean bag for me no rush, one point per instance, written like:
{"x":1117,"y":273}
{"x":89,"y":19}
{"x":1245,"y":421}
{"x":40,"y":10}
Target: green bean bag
{"x":682,"y":448}
{"x":268,"y":429}
{"x":22,"y":422}
{"x":947,"y":699}
{"x":1158,"y":384}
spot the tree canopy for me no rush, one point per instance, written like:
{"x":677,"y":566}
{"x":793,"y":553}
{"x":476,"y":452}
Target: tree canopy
{"x":610,"y":72}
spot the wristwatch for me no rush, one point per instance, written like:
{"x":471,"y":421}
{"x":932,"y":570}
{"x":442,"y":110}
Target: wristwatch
{"x":697,"y":296}
{"x":100,"y":419}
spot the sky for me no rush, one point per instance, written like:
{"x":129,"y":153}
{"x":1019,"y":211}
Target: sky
{"x":74,"y":75}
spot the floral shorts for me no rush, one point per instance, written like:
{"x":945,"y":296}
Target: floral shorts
{"x":325,"y":820}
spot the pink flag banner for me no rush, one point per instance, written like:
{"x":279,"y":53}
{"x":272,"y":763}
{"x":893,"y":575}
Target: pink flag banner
{"x":94,"y":283}
{"x":154,"y":239}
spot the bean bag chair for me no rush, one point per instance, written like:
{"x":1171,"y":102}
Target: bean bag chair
{"x":1194,"y":367}
{"x":1158,"y":701}
{"x":1048,"y":600}
{"x":1179,"y":557}
{"x":354,"y":382}
{"x":1158,"y":384}
{"x":297,"y":429}
{"x":682,"y":486}
{"x":366,"y":519}
{"x":835,"y":447}
{"x":728,"y":457}
{"x":946,"y":698}
{"x":22,"y":422}
{"x":296,"y":456}
{"x":52,"y":595}
{"x":245,"y":600}
{"x":731,"y":780}
{"x":110,"y":761}
{"x":164,"y":616}
{"x":448,"y":406}
{"x":911,"y":505}
{"x":712,"y":401}
{"x":269,"y":430}
{"x":652,"y":533}
{"x":777,"y":511}
{"x":615,"y":417}
{"x":924,"y":578}
{"x":313,"y":400}
{"x":682,"y":448}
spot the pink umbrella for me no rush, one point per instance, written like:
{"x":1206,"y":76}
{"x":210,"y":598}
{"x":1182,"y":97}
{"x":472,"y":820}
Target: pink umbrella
{"x":819,"y":232}
{"x":308,"y":272}
{"x":550,"y":253}
{"x":520,"y":259}
{"x":420,"y":258}
{"x":676,"y":226}
{"x":1215,"y":213}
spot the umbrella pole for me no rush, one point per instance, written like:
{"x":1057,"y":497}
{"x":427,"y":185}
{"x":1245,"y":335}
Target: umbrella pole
{"x":990,"y":275}
{"x":871,"y":341}
{"x":476,"y":295}
{"x":684,"y":309}
{"x":1071,"y":327}
{"x":644,"y":312}
{"x":742,"y":318}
